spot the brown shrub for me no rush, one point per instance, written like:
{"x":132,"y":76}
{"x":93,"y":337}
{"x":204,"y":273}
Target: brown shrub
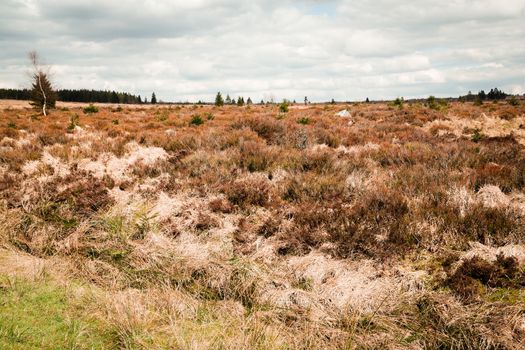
{"x":309,"y":186}
{"x":205,"y":222}
{"x":469,"y":279}
{"x":86,"y":193}
{"x":220,"y":205}
{"x":270,"y":226}
{"x":377,"y":225}
{"x":249,"y":191}
{"x":490,"y":225}
{"x":327,"y":137}
{"x":244,"y":237}
{"x":254,"y":156}
{"x":273,"y":131}
{"x":8,"y":189}
{"x":505,"y":177}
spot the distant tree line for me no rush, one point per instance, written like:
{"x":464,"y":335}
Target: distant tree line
{"x":219,"y":101}
{"x":82,"y":95}
{"x":493,"y":94}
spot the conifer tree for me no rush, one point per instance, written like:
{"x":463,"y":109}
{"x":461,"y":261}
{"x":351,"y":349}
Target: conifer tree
{"x":153,"y":99}
{"x":219,"y":100}
{"x":114,"y":97}
{"x":42,"y":95}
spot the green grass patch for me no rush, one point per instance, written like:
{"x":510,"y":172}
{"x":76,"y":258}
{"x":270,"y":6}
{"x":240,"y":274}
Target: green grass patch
{"x":39,"y":315}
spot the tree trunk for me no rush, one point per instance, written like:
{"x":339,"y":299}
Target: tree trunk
{"x":43,"y":94}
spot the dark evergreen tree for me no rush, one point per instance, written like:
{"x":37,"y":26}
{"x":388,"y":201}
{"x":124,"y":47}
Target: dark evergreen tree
{"x":482,"y":95}
{"x":219,"y":100}
{"x":249,"y":101}
{"x":114,"y":97}
{"x":496,"y":94}
{"x":153,"y":99}
{"x":43,"y":97}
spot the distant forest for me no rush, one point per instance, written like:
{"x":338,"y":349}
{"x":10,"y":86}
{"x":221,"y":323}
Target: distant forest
{"x":493,"y":94}
{"x":83,"y":95}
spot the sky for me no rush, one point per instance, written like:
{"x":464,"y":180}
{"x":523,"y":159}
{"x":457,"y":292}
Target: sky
{"x":273,"y":49}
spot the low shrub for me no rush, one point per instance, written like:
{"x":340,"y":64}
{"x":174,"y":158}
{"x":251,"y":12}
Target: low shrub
{"x":477,"y":136}
{"x":513,"y":101}
{"x":474,"y":274}
{"x":248,"y":192}
{"x":90,"y":109}
{"x":254,"y":156}
{"x":196,"y":119}
{"x":220,"y":205}
{"x":84,"y":192}
{"x":73,"y":122}
{"x":271,"y":130}
{"x":398,"y":102}
{"x":284,"y":106}
{"x":303,"y":121}
{"x":490,"y":225}
{"x":505,"y":177}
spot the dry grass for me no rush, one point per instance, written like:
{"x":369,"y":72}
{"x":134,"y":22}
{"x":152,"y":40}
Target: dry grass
{"x":259,"y":230}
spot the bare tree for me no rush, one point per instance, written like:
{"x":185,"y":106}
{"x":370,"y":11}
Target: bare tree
{"x":42,"y":94}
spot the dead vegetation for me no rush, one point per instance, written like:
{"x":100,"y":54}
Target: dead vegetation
{"x":254,"y":230}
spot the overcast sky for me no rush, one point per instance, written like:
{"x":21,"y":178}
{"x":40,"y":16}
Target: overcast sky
{"x":347,"y":50}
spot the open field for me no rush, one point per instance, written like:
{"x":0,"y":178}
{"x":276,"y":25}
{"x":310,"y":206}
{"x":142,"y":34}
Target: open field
{"x":202,"y":227}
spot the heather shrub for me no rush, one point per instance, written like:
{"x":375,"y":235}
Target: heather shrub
{"x":311,"y":186}
{"x":269,"y":129}
{"x":505,"y":177}
{"x":327,"y":137}
{"x":249,"y":191}
{"x":491,"y":225}
{"x":85,"y":194}
{"x":254,"y":156}
{"x":475,"y":274}
{"x":377,"y":225}
{"x":220,"y":205}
